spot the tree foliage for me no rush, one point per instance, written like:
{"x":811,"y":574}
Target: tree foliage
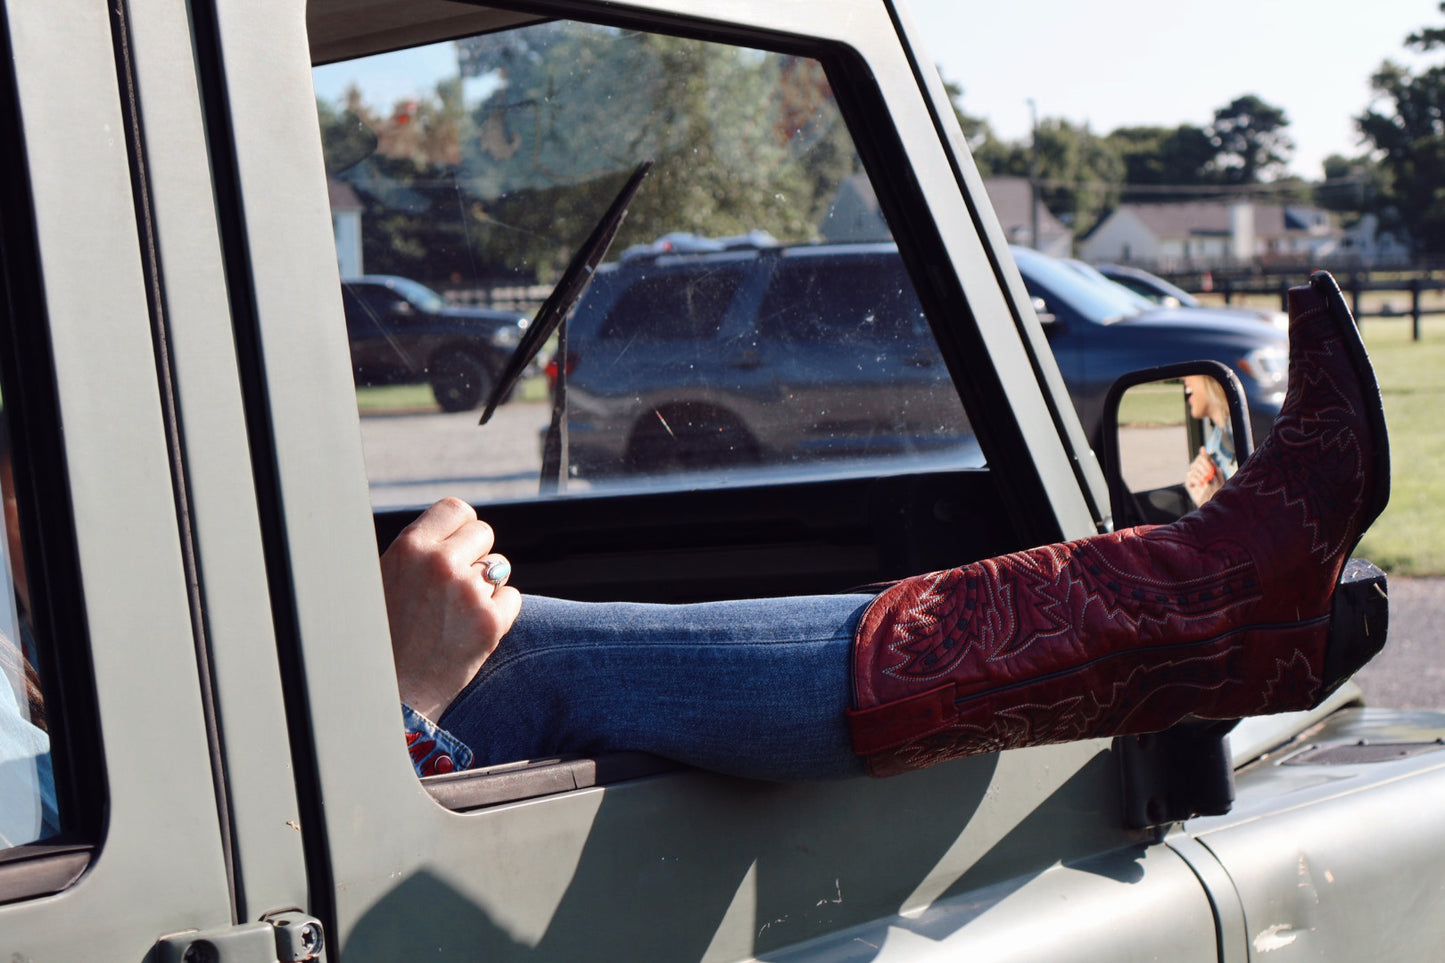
{"x":1251,"y":141}
{"x":1162,"y":157}
{"x":1406,"y":127}
{"x":508,"y":182}
{"x":1084,"y":176}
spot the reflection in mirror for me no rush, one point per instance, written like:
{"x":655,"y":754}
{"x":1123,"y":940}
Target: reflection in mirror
{"x":1176,"y":444}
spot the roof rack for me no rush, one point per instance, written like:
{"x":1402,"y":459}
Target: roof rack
{"x":684,"y":242}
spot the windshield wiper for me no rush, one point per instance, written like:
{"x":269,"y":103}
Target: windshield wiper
{"x":568,"y":292}
{"x":559,"y":304}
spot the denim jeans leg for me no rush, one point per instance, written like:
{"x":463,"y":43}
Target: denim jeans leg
{"x":753,"y":688}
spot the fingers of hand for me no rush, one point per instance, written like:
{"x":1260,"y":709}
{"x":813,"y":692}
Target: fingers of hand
{"x":441,"y":520}
{"x":506,"y":605}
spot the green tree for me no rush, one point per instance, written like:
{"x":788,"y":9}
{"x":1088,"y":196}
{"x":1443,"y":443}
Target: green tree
{"x":1164,"y":157}
{"x":741,"y":140}
{"x":1406,"y":128}
{"x":502,"y":185}
{"x":1351,"y":186}
{"x":1250,"y":137}
{"x":1080,"y":173}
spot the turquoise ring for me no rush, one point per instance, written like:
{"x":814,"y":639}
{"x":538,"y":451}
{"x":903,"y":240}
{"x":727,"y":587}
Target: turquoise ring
{"x":497,"y":570}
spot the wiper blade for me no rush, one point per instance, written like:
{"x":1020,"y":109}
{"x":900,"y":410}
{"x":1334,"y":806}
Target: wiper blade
{"x":568,"y":292}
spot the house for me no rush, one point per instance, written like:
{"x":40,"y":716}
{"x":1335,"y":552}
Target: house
{"x":1010,"y":197}
{"x":1211,"y":233}
{"x":346,"y":210}
{"x":854,"y":215}
{"x":1365,"y":242}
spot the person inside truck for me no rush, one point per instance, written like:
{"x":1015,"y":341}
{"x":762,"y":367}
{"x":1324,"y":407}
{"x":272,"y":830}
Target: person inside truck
{"x":27,"y":784}
{"x":1215,"y":463}
{"x":1222,"y":614}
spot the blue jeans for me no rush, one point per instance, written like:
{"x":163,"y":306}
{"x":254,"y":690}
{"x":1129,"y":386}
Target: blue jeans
{"x":752,"y":688}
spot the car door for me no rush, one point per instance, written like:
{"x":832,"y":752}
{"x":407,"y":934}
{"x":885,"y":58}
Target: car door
{"x":378,"y":350}
{"x":141,"y":667}
{"x":621,"y":857}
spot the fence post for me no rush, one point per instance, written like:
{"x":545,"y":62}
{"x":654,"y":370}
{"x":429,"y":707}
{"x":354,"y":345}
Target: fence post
{"x":1355,"y":288}
{"x":1415,"y":308}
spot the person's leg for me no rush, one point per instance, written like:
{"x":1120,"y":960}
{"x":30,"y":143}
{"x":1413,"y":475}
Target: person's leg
{"x":754,"y":688}
{"x":1224,"y":613}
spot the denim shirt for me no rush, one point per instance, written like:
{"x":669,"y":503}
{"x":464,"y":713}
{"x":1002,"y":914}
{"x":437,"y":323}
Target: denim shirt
{"x":434,"y":751}
{"x":1220,"y":447}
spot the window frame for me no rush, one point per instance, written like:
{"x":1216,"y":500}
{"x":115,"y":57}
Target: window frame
{"x":313,"y":492}
{"x":99,"y":513}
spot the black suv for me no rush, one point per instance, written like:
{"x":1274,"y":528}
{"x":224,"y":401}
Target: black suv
{"x":783,"y":355}
{"x":403,"y":332}
{"x":752,"y":356}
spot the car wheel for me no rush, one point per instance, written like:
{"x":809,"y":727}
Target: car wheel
{"x":459,"y":381}
{"x":687,"y":439}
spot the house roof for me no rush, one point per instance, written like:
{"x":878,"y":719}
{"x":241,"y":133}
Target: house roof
{"x":1010,"y":199}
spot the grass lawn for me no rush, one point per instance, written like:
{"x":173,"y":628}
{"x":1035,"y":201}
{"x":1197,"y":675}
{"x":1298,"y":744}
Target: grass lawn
{"x":1159,"y":403}
{"x":1409,"y":538}
{"x":419,"y":397}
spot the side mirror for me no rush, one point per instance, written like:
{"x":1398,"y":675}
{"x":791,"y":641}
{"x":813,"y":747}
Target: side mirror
{"x":1172,"y":435}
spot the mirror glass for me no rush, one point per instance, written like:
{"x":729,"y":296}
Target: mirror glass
{"x":1176,"y":446}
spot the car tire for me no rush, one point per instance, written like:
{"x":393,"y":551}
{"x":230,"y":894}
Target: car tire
{"x":459,"y":381}
{"x":686,"y":439}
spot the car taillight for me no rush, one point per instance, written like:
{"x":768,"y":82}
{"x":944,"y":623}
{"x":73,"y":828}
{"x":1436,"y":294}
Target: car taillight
{"x":551,"y":369}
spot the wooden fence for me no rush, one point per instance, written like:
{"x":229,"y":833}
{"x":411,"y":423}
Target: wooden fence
{"x":1353,"y":285}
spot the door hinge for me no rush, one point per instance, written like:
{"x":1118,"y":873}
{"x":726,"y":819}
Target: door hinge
{"x":285,"y":937}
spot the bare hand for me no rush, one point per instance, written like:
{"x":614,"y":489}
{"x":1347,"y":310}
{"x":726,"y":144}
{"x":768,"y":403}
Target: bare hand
{"x":445,"y":617}
{"x":1203,"y":478}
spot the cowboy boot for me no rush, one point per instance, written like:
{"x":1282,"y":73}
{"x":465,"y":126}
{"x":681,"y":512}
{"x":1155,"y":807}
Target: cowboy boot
{"x":1222,"y":614}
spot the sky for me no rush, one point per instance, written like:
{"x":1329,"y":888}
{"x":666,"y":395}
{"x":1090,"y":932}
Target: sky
{"x":1117,"y":63}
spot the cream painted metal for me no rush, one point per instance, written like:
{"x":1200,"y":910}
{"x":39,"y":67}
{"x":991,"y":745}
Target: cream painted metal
{"x":1019,"y":855}
{"x":159,"y":865}
{"x":683,"y":865}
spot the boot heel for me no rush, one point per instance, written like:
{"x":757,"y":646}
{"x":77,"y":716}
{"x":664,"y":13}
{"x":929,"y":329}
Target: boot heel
{"x":1359,"y":618}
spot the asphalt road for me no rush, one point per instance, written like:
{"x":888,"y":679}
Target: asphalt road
{"x":1410,"y":672}
{"x":414,"y":458}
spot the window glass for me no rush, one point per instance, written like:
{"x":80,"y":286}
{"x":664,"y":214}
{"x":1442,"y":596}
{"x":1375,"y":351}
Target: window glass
{"x":477,"y":168}
{"x":670,"y":306}
{"x":27,"y":785}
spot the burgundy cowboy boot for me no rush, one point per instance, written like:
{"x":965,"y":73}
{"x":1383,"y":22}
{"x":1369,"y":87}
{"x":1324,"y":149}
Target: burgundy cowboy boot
{"x":1222,"y":614}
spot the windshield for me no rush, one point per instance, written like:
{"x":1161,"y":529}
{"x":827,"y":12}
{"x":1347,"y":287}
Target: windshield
{"x":1100,"y":301}
{"x":1099,"y":277}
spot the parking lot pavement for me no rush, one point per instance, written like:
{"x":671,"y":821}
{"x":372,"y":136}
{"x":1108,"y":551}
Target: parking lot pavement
{"x":414,"y":458}
{"x":1410,"y":672}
